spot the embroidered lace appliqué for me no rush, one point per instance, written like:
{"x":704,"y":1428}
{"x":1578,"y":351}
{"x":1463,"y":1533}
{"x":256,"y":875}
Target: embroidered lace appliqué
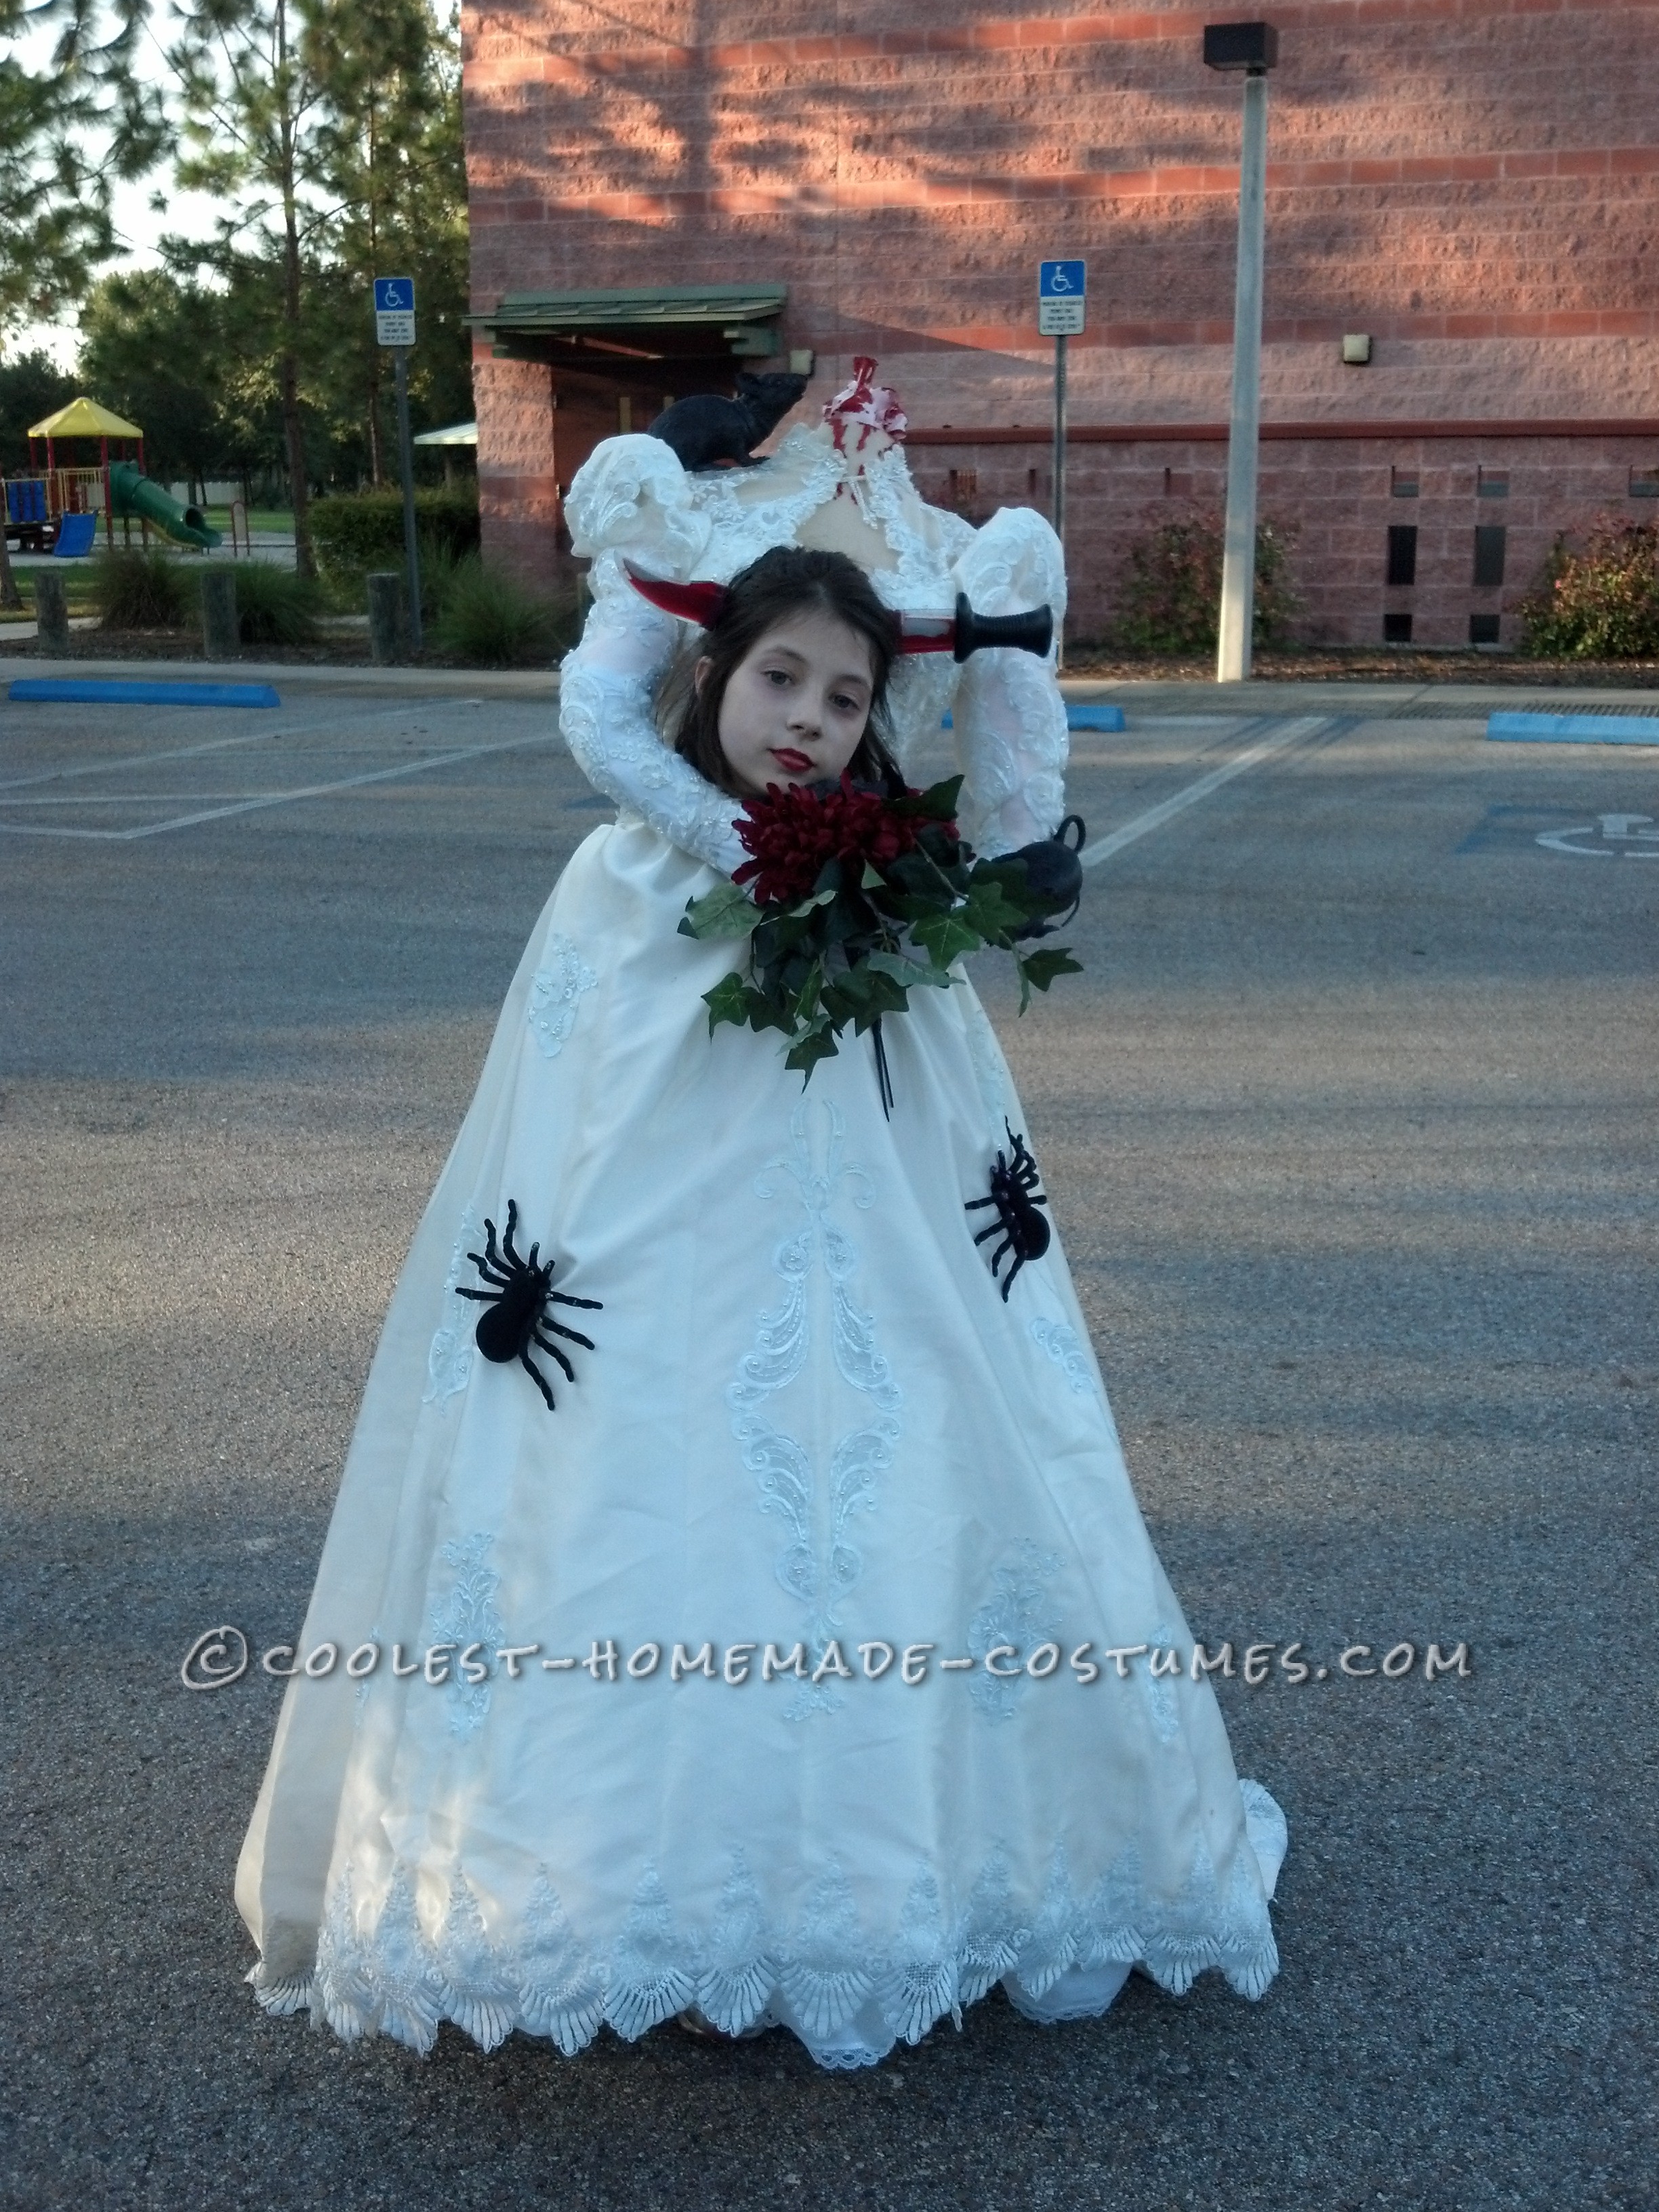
{"x":468,"y":1616}
{"x":398,"y":1971}
{"x":449,"y":1360}
{"x":556,"y":993}
{"x":820,"y":1562}
{"x":1160,"y":1695}
{"x":1060,"y":1343}
{"x":1012,"y":1615}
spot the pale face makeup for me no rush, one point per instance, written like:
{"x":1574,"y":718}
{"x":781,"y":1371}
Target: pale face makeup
{"x":797,"y":705}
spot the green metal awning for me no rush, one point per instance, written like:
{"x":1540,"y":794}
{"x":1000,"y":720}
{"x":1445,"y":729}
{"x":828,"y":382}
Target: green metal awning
{"x":649,"y":322}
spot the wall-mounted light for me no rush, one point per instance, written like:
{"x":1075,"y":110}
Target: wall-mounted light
{"x":1356,"y":350}
{"x":1250,"y":46}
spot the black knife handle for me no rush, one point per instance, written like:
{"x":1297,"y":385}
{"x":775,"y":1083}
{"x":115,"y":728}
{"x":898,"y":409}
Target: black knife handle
{"x":1031,"y":632}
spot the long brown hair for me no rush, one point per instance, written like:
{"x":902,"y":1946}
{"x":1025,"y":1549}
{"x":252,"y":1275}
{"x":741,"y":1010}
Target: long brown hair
{"x":787,"y":581}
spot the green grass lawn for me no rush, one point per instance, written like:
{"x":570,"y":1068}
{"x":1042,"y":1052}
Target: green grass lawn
{"x":259,"y":518}
{"x":77,"y":590}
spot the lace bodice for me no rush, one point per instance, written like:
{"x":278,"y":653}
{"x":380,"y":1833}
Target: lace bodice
{"x":632,"y":497}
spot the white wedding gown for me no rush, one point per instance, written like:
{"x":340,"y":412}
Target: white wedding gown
{"x":811,"y":1431}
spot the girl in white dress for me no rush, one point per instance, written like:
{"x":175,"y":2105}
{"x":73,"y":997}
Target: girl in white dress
{"x":779,"y":1642}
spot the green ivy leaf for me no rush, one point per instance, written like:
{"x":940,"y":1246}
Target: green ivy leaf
{"x":727,"y":911}
{"x":1038,"y":969}
{"x":909,"y":972}
{"x":729,"y":1001}
{"x":989,"y":910}
{"x":937,"y":803}
{"x":805,"y":1009}
{"x":819,"y":1043}
{"x":944,"y":938}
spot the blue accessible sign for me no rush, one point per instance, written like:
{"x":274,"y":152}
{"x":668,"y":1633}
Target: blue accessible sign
{"x":394,"y":311}
{"x":1061,"y":287}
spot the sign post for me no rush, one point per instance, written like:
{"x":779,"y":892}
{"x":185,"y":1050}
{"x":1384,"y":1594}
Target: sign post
{"x":1061,"y":293}
{"x":394,"y":326}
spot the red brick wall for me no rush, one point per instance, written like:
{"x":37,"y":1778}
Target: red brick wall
{"x":1336,"y":496}
{"x":1472,"y":182}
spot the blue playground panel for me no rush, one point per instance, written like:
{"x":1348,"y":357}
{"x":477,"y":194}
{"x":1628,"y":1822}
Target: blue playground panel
{"x":88,"y":691}
{"x":1078,"y":718}
{"x":75,"y":535}
{"x":1575,"y":729}
{"x":26,"y":499}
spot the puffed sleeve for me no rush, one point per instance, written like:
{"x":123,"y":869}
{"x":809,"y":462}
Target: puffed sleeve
{"x":607,"y":691}
{"x":1008,"y":714}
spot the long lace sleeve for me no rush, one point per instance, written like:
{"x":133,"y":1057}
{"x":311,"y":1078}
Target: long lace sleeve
{"x":1008,"y":714}
{"x":607,"y":686}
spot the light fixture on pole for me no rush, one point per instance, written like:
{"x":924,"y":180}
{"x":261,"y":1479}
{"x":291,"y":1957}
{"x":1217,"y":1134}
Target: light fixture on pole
{"x":1252,"y":48}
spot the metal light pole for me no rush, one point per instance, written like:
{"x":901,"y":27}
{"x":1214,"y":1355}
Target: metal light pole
{"x":1253,"y":48}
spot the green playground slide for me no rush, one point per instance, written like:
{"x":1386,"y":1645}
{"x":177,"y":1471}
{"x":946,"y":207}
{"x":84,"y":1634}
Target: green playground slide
{"x":131,"y":492}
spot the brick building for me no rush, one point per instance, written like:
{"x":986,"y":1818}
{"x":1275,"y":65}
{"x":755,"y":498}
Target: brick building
{"x":662,"y":189}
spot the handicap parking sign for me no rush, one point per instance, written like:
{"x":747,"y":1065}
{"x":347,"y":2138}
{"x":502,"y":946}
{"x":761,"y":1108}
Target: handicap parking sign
{"x":1062,"y":286}
{"x":394,"y":311}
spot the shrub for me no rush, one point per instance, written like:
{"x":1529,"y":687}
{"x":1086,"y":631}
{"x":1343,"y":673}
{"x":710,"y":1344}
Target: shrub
{"x":274,"y":606}
{"x":1170,"y":593}
{"x":355,"y":532}
{"x":1601,"y":604}
{"x":136,"y":587}
{"x":488,"y":618}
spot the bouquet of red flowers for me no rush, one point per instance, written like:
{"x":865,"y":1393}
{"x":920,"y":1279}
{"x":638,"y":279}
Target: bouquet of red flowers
{"x":853,"y":899}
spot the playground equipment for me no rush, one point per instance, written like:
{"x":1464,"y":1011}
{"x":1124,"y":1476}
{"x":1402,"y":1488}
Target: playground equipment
{"x":36,"y":505}
{"x":131,"y":493}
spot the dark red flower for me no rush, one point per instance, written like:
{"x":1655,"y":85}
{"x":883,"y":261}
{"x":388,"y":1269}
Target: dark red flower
{"x":793,"y":831}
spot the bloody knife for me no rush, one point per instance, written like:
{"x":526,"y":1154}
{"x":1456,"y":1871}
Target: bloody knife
{"x":959,"y":634}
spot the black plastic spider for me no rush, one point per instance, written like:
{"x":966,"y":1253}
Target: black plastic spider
{"x":518,"y":1301}
{"x":1016,"y":1197}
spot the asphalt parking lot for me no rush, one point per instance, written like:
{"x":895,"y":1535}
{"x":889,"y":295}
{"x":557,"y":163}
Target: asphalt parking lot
{"x":1350,"y":1127}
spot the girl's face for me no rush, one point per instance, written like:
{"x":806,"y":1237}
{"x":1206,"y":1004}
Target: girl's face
{"x":797,"y":705}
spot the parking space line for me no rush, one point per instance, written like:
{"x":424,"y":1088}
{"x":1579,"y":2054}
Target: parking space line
{"x":224,"y":745}
{"x":280,"y":797}
{"x":1275,"y":741}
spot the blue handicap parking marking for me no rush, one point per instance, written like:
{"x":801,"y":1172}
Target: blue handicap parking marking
{"x":1574,"y":729}
{"x":1076,"y":718}
{"x":97,"y":691}
{"x":1591,"y":834}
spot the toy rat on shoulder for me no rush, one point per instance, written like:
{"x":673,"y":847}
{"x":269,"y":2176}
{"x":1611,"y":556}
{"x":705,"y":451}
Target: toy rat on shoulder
{"x":710,"y":431}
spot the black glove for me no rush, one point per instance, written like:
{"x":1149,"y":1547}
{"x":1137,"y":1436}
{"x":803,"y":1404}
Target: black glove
{"x":1053,"y":874}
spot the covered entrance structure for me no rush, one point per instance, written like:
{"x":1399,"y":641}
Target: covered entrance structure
{"x":560,"y":370}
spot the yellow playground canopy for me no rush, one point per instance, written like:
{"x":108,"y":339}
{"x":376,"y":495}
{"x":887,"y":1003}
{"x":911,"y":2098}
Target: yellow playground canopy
{"x":84,"y":418}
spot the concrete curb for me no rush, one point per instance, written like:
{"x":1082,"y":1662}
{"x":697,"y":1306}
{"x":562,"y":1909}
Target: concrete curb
{"x":1168,"y":695}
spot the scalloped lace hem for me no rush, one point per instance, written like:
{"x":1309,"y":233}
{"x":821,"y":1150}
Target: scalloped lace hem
{"x":848,"y":2004}
{"x":905,"y":2005}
